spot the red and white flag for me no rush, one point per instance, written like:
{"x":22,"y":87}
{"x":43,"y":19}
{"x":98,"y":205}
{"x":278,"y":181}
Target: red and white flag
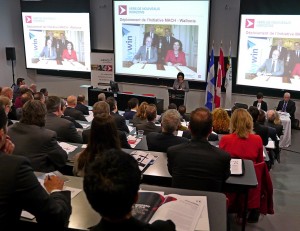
{"x":220,"y":75}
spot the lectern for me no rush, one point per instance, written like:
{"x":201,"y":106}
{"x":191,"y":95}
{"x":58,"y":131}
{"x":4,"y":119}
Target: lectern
{"x":177,"y":96}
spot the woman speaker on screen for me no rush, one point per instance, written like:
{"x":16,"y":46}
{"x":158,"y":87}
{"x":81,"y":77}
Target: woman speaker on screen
{"x":180,"y":83}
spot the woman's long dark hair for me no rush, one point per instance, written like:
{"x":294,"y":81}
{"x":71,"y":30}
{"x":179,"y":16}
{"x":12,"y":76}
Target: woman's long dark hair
{"x":103,"y":136}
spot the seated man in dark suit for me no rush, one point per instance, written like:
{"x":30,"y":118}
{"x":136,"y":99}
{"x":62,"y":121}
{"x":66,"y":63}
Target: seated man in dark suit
{"x":111,"y":186}
{"x":198,"y":164}
{"x":287,"y":105}
{"x":36,"y":142}
{"x":80,"y":105}
{"x":72,"y":111}
{"x":150,"y":126}
{"x":133,"y":104}
{"x":63,"y":108}
{"x":160,"y":142}
{"x":120,"y":120}
{"x":64,"y":129}
{"x":103,"y":108}
{"x":260,"y":103}
{"x":20,"y":189}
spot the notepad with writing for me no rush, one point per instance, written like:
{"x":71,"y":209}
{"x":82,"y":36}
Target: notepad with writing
{"x":236,"y":167}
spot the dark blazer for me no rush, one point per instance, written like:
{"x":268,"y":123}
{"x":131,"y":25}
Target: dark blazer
{"x":148,"y":127}
{"x":160,"y":142}
{"x":278,"y":127}
{"x":76,"y":124}
{"x":39,"y":145}
{"x":120,"y":121}
{"x":198,"y":165}
{"x":262,"y":131}
{"x":290,"y":108}
{"x":263,"y":105}
{"x":20,"y":189}
{"x":134,"y":224}
{"x":128,"y":115}
{"x":64,"y":128}
{"x":155,"y":39}
{"x":122,"y":135}
{"x":74,"y":113}
{"x":83,"y":108}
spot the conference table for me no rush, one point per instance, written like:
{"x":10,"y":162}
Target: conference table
{"x":158,"y":174}
{"x":83,"y":217}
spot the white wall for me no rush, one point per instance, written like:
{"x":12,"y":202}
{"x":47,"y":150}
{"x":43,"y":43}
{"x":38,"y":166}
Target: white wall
{"x":224,"y":27}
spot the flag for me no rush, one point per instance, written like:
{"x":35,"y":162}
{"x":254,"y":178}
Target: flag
{"x":210,"y":86}
{"x":228,"y":81}
{"x":220,"y":75}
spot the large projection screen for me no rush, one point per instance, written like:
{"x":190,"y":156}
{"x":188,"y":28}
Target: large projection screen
{"x":268,"y":51}
{"x":186,"y":21}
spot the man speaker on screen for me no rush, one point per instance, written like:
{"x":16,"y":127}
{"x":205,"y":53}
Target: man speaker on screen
{"x":48,"y":52}
{"x":272,"y":66}
{"x":180,"y":83}
{"x":147,"y":53}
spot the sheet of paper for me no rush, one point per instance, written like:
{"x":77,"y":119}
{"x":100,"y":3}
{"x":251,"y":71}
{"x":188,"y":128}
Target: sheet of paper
{"x":203,"y":222}
{"x":67,"y":147}
{"x":236,"y":167}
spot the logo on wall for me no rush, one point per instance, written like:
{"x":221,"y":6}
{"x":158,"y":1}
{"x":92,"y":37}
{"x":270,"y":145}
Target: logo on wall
{"x":250,"y":23}
{"x":122,"y":10}
{"x":28,"y":19}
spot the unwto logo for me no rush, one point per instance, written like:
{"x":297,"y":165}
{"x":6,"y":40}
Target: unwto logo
{"x":122,"y":10}
{"x":28,"y":19}
{"x":250,"y":23}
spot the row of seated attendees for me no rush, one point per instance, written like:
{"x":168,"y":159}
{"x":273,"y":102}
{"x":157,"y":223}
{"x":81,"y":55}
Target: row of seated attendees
{"x":193,"y":162}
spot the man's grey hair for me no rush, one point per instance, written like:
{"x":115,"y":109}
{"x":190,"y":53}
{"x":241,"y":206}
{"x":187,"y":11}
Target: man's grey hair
{"x":170,"y":121}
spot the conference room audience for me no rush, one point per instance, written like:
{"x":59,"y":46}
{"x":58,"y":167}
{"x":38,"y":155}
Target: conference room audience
{"x":8,"y":92}
{"x":103,"y":136}
{"x":16,"y":89}
{"x":170,"y":106}
{"x":198,"y":164}
{"x":271,"y":116}
{"x":180,"y":83}
{"x":111,"y":185}
{"x":146,"y":53}
{"x":260,"y":103}
{"x":242,"y":143}
{"x":45,"y":92}
{"x":39,"y":96}
{"x":27,"y":96}
{"x":140,"y":116}
{"x":175,"y":57}
{"x":160,"y":142}
{"x":221,"y":121}
{"x":149,"y":126}
{"x":241,"y":129}
{"x":72,"y":111}
{"x":101,"y":97}
{"x":133,"y":105}
{"x":21,"y":190}
{"x":6,"y":104}
{"x":63,"y":108}
{"x":18,"y":101}
{"x":287,"y":105}
{"x":36,"y":142}
{"x":65,"y":129}
{"x":262,"y":119}
{"x":80,"y":106}
{"x":120,"y":120}
{"x":258,"y":128}
{"x":102,"y":108}
{"x":182,"y":112}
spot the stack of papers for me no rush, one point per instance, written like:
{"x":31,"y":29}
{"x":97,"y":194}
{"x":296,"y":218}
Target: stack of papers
{"x":67,"y":147}
{"x":133,"y":141}
{"x":143,"y":158}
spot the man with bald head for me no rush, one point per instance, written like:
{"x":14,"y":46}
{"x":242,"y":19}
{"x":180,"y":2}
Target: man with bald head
{"x":72,"y":111}
{"x":287,"y":105}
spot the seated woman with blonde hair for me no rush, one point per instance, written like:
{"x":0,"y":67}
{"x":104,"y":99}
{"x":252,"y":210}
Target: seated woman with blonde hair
{"x":221,"y":121}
